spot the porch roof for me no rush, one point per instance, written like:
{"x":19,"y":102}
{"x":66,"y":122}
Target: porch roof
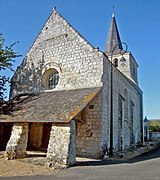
{"x":54,"y":106}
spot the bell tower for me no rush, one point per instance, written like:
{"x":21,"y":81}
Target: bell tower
{"x":125,"y":63}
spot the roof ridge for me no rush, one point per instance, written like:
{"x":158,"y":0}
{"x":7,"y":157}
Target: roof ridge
{"x":55,"y":11}
{"x":74,"y":29}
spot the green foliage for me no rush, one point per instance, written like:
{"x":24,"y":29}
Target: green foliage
{"x":154,"y":126}
{"x":7,"y":58}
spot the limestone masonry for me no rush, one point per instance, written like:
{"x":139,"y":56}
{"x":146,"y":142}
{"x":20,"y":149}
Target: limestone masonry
{"x":62,"y":93}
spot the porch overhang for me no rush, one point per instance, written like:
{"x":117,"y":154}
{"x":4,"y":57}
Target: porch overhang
{"x":54,"y":106}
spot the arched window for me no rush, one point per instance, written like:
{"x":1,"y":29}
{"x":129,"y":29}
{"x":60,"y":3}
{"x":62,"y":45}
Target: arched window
{"x":126,"y":105}
{"x":115,"y":62}
{"x":53,"y":80}
{"x":121,"y":111}
{"x":50,"y":78}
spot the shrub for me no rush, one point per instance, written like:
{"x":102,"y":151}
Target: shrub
{"x":154,"y":125}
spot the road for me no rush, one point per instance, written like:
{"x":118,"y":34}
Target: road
{"x":144,"y":167}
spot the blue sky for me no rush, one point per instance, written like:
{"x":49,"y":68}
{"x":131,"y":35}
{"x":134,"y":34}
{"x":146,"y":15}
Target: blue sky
{"x":138,"y":22}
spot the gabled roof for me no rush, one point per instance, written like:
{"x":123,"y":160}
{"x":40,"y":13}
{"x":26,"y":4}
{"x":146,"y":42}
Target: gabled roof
{"x":55,"y":16}
{"x":53,"y":106}
{"x":113,"y":38}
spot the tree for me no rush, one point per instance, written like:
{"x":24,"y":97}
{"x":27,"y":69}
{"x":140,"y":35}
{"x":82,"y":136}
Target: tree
{"x":7,"y":58}
{"x":154,"y":125}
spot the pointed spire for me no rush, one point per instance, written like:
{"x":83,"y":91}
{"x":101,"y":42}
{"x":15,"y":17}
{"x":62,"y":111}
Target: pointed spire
{"x":145,"y":119}
{"x":54,"y":8}
{"x":113,"y":38}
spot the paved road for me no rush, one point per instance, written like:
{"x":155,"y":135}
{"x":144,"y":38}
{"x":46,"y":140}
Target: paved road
{"x":144,"y":167}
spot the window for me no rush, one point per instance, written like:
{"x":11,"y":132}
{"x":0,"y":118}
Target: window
{"x":115,"y":62}
{"x":120,"y":113}
{"x":53,"y":80}
{"x":131,"y":122}
{"x":50,"y":78}
{"x":131,"y":113}
{"x":126,"y":105}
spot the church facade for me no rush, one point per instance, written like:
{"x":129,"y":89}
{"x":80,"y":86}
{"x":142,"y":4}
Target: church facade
{"x":61,"y":97}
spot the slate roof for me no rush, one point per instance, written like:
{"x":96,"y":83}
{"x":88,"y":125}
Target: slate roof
{"x":113,"y":38}
{"x":53,"y":106}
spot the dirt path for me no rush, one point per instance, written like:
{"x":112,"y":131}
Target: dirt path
{"x":17,"y":168}
{"x":21,"y":168}
{"x":35,"y":165}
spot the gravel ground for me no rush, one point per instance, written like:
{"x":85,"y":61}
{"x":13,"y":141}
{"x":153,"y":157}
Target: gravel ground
{"x":34,"y":165}
{"x":22,"y":167}
{"x":17,"y":168}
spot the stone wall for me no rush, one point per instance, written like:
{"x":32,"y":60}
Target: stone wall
{"x":89,"y":132}
{"x":154,"y":136}
{"x":130,"y":94}
{"x":80,"y":65}
{"x":128,"y":67}
{"x":61,"y":47}
{"x":62,"y":145}
{"x":17,"y":144}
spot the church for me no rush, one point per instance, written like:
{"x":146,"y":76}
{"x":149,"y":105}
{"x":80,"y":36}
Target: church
{"x":71,"y":99}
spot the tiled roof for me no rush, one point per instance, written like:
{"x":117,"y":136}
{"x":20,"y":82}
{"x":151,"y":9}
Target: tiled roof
{"x":53,"y":106}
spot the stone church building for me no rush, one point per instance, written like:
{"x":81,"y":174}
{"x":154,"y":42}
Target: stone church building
{"x":61,"y":97}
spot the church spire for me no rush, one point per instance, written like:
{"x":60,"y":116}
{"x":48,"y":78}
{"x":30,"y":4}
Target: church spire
{"x":113,"y":38}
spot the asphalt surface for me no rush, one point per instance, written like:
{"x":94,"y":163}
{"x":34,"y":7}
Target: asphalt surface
{"x":143,"y":167}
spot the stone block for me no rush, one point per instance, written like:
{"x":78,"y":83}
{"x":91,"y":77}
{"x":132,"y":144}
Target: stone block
{"x":61,"y":151}
{"x":17,"y":144}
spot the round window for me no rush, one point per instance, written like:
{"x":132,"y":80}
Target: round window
{"x":53,"y":80}
{"x":50,"y":78}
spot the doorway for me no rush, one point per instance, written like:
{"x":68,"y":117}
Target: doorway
{"x":5,"y":133}
{"x":38,"y":136}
